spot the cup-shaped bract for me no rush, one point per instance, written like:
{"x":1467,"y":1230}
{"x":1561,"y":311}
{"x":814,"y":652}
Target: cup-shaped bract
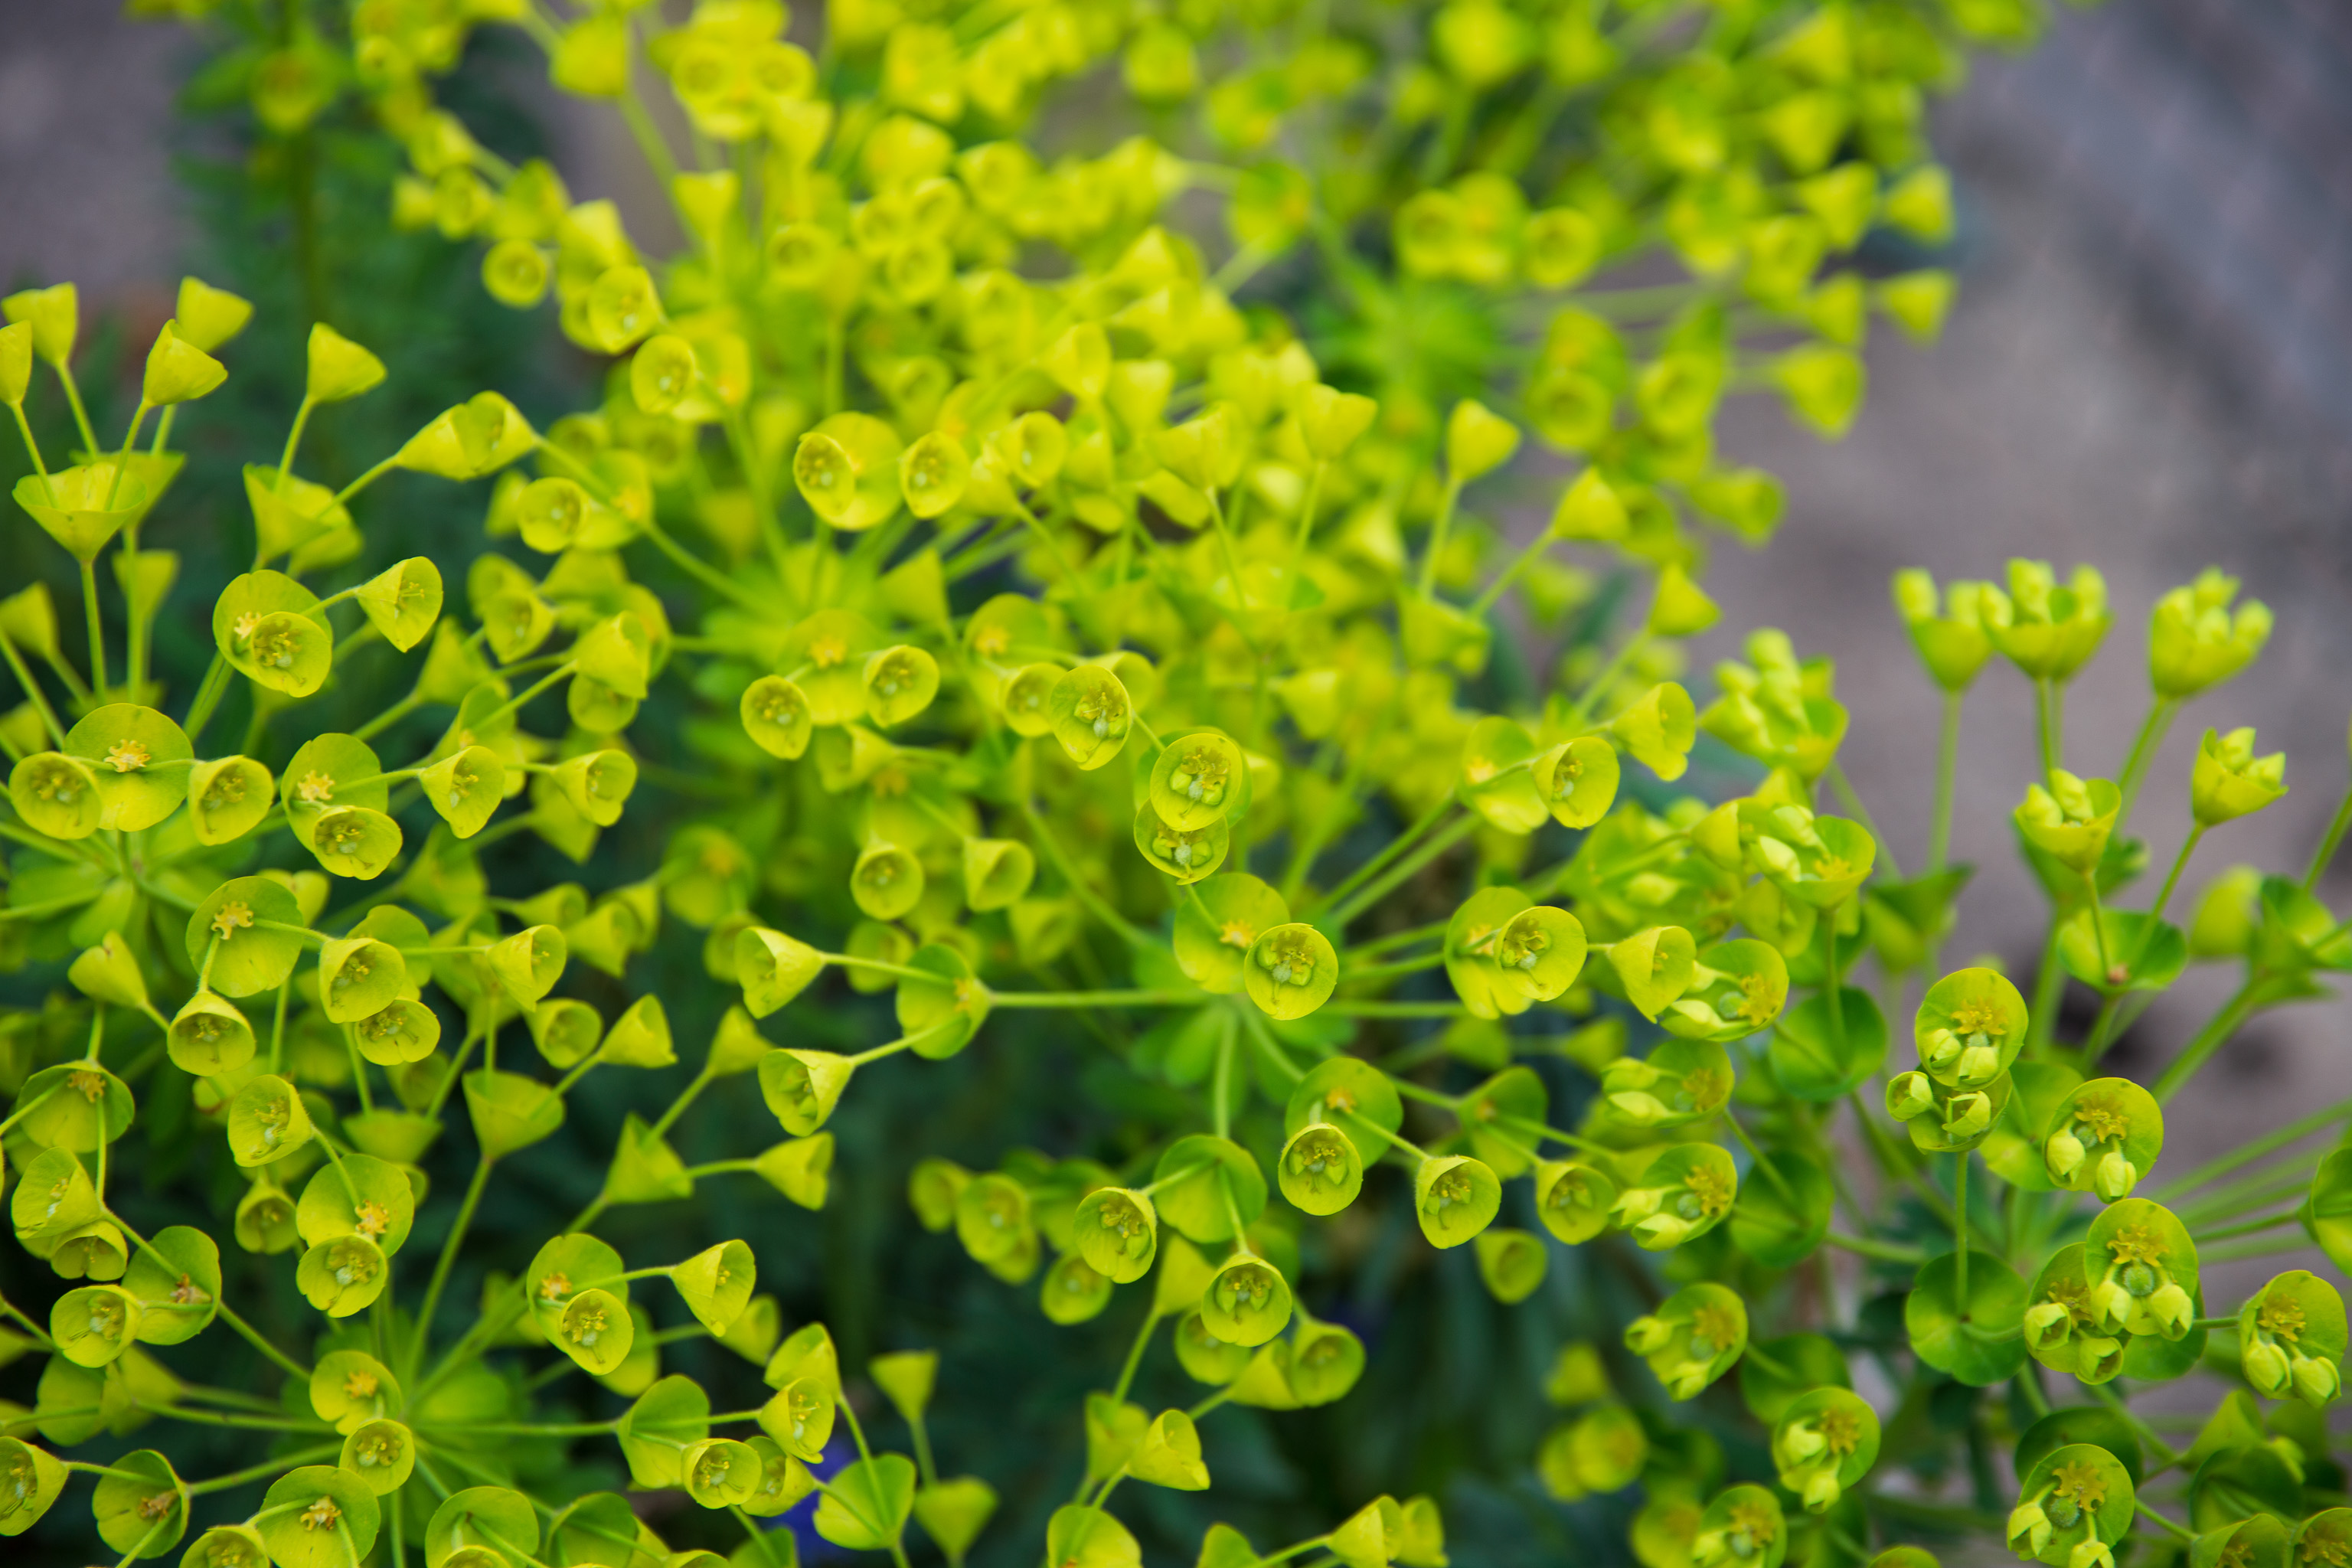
{"x":801,"y":1088}
{"x":1542,"y":951}
{"x":2103,"y":1137}
{"x":1090,"y":712}
{"x":2195,"y":641}
{"x":886,"y":880}
{"x":846,"y":469}
{"x":1169,"y":1455}
{"x":402,"y":601}
{"x":2227,"y":782}
{"x":227,"y":798}
{"x":1658,"y":728}
{"x":2292,"y":1339}
{"x":1117,"y":1233}
{"x":1454,"y":1198}
{"x":1682,"y":1081}
{"x":54,"y":1197}
{"x":1291,"y":970}
{"x":1573,"y":1200}
{"x":1073,"y":1290}
{"x":30,"y":1480}
{"x":107,"y":972}
{"x":466,"y":788}
{"x":2047,"y":630}
{"x":1247,"y":1302}
{"x":383,"y":1454}
{"x":1969,"y":1027}
{"x":772,"y":968}
{"x":1576,"y":780}
{"x":1200,"y":778}
{"x":1655,"y":965}
{"x":1823,"y":1444}
{"x":598,"y":783}
{"x":1949,"y":636}
{"x":342,"y":1276}
{"x":2074,"y":1503}
{"x":1189,"y":855}
{"x":358,"y":976}
{"x":716,"y":1284}
{"x":84,"y":506}
{"x":776,"y":715}
{"x":2141,"y":1268}
{"x":1683,"y":1193}
{"x":267,"y":1121}
{"x":1742,"y":1528}
{"x":338,"y":367}
{"x":93,"y":1324}
{"x":933,"y":472}
{"x":361,"y":1196}
{"x":55,"y":794}
{"x":997,"y":872}
{"x":140,"y":760}
{"x":527,"y":964}
{"x":1219,"y":922}
{"x":1320,"y":1168}
{"x":209,"y":1036}
{"x":1693,"y":1338}
{"x":1511,"y":1263}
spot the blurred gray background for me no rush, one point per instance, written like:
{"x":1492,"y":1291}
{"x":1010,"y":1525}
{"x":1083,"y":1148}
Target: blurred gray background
{"x":2150,"y":368}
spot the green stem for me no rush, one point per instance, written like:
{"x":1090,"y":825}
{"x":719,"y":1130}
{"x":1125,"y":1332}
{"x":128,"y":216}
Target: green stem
{"x":2143,"y":751}
{"x":97,"y":630}
{"x":1885,"y":1251}
{"x":33,"y":692}
{"x":1509,"y":574}
{"x":2246,"y":1154}
{"x":1960,"y":1232}
{"x":1948,"y":767}
{"x":1438,"y":529}
{"x":2045,"y":730}
{"x":2327,"y":845}
{"x":448,"y":1256}
{"x":1411,"y":865}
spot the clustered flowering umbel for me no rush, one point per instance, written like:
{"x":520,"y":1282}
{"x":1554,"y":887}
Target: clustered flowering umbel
{"x":1054,"y":631}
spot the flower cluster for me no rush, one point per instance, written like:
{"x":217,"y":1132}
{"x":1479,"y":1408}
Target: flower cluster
{"x":1034,"y":620}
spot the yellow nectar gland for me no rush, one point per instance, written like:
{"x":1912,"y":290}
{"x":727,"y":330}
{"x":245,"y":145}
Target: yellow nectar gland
{"x":1715,"y":1326}
{"x":556,"y":1287}
{"x":2075,"y":1297}
{"x":1753,"y":1522}
{"x":2318,"y":1546}
{"x":1712,"y":1188}
{"x":2103,"y":1117}
{"x":1974,"y":1017}
{"x":890,"y":783}
{"x":91,"y":1084}
{"x":1291,"y":962}
{"x":159,"y":1505}
{"x":316,"y":789}
{"x":1233,"y":933}
{"x":1842,"y":1430}
{"x":231,"y":918}
{"x":826,"y":652}
{"x":2280,"y":1317}
{"x":360,"y":1385}
{"x":1831,"y":868}
{"x":2139,"y":1244}
{"x":245,"y":625}
{"x":1454,"y":1187}
{"x":371,"y":1220}
{"x":127,"y":756}
{"x":322,"y":1515}
{"x":1756,"y":1004}
{"x":992,"y":641}
{"x":2083,"y":1485}
{"x":186,"y":1294}
{"x":586,"y":1327}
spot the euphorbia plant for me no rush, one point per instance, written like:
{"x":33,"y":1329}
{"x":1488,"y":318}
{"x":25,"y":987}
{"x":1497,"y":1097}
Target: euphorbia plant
{"x":1078,"y":650}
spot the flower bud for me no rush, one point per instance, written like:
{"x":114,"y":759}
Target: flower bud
{"x":2062,"y":1154}
{"x":2196,"y":643}
{"x":2228,"y":781}
{"x":1821,"y":1489}
{"x":1909,"y":1096}
{"x":339,"y":368}
{"x":1966,"y":1116}
{"x":2090,"y":1554}
{"x":2173,"y":1309}
{"x":2115,"y":1176}
{"x":2267,"y":1367}
{"x":178,"y":371}
{"x":1647,"y":1335}
{"x":2029,"y":1529}
{"x":2047,"y":1325}
{"x":2316,"y":1380}
{"x":1478,"y":441}
{"x":16,"y":362}
{"x":2111,"y":1306}
{"x":54,"y":314}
